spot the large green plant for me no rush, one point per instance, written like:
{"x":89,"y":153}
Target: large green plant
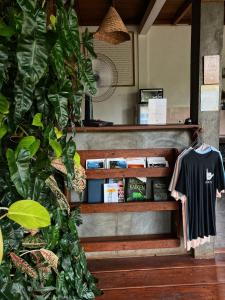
{"x":43,"y":74}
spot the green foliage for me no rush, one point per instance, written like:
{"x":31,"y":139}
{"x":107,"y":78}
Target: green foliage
{"x":43,"y":75}
{"x":1,"y":246}
{"x":5,"y":30}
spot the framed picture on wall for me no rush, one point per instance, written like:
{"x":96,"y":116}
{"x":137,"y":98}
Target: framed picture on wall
{"x":122,"y":56}
{"x":146,"y":94}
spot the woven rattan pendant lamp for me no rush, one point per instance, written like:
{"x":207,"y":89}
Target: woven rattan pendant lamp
{"x":112,"y":29}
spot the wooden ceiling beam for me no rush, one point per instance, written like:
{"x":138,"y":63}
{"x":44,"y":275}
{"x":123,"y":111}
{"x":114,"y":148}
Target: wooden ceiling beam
{"x":152,"y":12}
{"x":181,"y":12}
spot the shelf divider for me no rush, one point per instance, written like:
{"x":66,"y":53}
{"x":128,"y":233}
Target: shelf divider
{"x":130,"y":242}
{"x":87,"y":208}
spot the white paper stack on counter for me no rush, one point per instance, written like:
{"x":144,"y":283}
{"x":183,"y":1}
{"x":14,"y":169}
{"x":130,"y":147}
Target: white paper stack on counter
{"x":157,"y":162}
{"x":157,"y":111}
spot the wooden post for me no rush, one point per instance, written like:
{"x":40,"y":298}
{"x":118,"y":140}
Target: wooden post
{"x":207,"y":39}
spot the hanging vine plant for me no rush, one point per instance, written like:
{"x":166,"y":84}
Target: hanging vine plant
{"x":43,"y":75}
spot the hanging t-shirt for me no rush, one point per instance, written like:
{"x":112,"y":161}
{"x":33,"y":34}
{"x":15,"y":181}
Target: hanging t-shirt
{"x":201,"y":175}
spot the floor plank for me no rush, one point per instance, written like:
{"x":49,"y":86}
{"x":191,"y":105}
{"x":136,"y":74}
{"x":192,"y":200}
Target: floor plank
{"x":142,"y":263}
{"x":203,"y":292}
{"x":161,"y":277}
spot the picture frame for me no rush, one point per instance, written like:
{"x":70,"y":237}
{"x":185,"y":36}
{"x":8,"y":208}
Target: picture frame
{"x":152,"y":93}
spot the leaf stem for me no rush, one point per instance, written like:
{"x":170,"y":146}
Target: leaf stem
{"x":3,"y":216}
{"x":21,"y":128}
{"x":31,"y":251}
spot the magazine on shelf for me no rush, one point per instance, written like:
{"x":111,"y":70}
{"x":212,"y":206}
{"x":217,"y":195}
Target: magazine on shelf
{"x":121,"y":186}
{"x":160,"y":189}
{"x":111,"y":192}
{"x":136,"y":162}
{"x":95,"y":190}
{"x":136,"y":189}
{"x":157,"y":162}
{"x":95,"y":164}
{"x":116,"y":163}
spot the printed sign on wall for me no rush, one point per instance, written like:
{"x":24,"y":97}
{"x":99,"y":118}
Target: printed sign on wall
{"x":211,"y":69}
{"x":210,"y":97}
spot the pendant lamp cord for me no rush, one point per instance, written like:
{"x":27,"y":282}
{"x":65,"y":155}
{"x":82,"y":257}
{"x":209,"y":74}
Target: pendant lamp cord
{"x":113,"y":3}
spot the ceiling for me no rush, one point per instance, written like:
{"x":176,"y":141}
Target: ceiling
{"x":91,"y":12}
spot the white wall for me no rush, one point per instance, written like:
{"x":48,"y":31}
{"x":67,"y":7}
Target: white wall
{"x":162,"y":59}
{"x":169,"y":50}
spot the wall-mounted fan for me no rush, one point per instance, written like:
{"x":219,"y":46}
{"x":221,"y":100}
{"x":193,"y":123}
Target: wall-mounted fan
{"x":106,"y":77}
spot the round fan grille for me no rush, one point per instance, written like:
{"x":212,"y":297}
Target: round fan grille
{"x":106,"y":77}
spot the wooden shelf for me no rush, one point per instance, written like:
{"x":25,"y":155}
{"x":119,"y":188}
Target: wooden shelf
{"x":121,"y":128}
{"x":130,"y":242}
{"x":87,"y":208}
{"x":126,"y":173}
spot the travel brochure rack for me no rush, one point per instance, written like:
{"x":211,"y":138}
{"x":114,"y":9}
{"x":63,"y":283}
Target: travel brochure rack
{"x":131,"y":242}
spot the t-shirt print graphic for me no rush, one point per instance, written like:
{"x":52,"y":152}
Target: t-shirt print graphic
{"x":209,"y":176}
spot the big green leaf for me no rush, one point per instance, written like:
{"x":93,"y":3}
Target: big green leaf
{"x":29,"y":143}
{"x":29,"y":214}
{"x":5,"y":30}
{"x":19,"y":170}
{"x":56,"y":147}
{"x":69,"y":33}
{"x":73,"y":32}
{"x":1,"y":246}
{"x":87,"y":75}
{"x":32,"y":54}
{"x":4,"y":104}
{"x":58,"y":63}
{"x":60,"y":103}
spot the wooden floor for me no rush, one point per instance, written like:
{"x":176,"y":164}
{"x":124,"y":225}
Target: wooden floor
{"x":167,"y":278}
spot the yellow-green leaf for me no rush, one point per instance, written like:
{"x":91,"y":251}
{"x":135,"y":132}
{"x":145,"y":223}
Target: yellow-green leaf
{"x":29,"y":214}
{"x":58,"y":133}
{"x":76,"y":159}
{"x":37,"y":120}
{"x":1,"y":246}
{"x":53,"y":21}
{"x":56,"y":147}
